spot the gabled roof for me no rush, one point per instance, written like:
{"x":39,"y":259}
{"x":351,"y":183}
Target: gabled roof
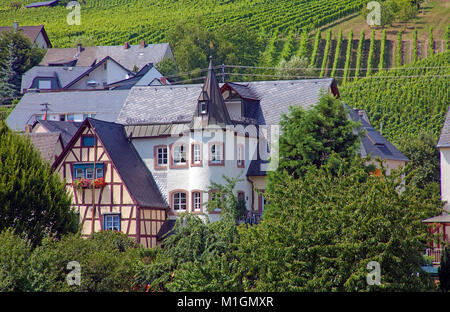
{"x":105,"y":104}
{"x":242,"y":90}
{"x":65,"y":128}
{"x":87,"y":72}
{"x":176,"y":103}
{"x":128,"y":58}
{"x":46,"y":144}
{"x":32,"y":32}
{"x":444,"y":138}
{"x":217,"y":113}
{"x":64,"y":74}
{"x":374,"y":143}
{"x":42,"y":3}
{"x":131,"y":168}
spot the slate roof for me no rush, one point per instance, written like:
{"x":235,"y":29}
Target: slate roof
{"x":45,"y":143}
{"x":105,"y":104}
{"x":372,"y":142}
{"x":129,"y":164}
{"x":166,"y":228}
{"x":444,"y":138}
{"x":442,"y":218}
{"x":43,"y":3}
{"x":32,"y":32}
{"x":65,"y":128}
{"x":134,"y":55}
{"x":176,"y":103}
{"x":65,"y":75}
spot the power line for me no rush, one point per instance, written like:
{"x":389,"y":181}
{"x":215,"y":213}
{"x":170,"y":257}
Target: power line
{"x":350,"y":68}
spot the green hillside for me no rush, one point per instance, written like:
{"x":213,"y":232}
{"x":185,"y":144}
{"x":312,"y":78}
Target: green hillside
{"x":112,"y":22}
{"x":407,"y":100}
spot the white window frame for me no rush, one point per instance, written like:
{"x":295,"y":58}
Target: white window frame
{"x":197,"y":201}
{"x":161,"y":156}
{"x":177,"y":201}
{"x":179,"y":152}
{"x":216,"y":153}
{"x":89,"y":173}
{"x":197,"y":156}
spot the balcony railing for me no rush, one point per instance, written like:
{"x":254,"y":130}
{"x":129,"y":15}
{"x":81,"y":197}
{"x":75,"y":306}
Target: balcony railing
{"x":435,"y":253}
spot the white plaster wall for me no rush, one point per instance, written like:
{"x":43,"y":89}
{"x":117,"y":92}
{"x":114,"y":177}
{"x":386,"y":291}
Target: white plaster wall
{"x":445,"y":174}
{"x":112,"y":74}
{"x":199,"y":178}
{"x":40,"y":42}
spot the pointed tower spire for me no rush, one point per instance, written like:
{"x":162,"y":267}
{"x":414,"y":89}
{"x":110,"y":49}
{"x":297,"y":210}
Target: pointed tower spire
{"x":210,"y":109}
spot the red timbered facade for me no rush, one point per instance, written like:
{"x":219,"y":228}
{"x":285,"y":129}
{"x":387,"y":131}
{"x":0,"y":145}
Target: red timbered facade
{"x":111,"y":188}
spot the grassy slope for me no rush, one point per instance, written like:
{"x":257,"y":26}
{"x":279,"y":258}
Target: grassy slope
{"x":405,"y":105}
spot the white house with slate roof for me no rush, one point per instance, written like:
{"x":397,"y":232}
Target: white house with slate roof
{"x":158,"y":148}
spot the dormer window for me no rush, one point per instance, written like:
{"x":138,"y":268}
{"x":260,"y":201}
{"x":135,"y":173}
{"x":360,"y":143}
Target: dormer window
{"x":202,"y":107}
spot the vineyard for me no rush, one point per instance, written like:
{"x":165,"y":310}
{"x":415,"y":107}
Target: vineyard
{"x":405,"y":100}
{"x":112,"y":22}
{"x":348,"y":58}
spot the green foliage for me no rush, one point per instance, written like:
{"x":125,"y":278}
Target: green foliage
{"x":430,"y":41}
{"x":33,"y":199}
{"x":370,"y":57}
{"x":348,"y":55}
{"x":382,"y":63}
{"x":359,"y":54}
{"x":399,"y":50}
{"x":7,"y":76}
{"x":315,"y":48}
{"x":296,"y":66}
{"x":18,"y":54}
{"x":303,"y":47}
{"x":115,"y":21}
{"x":337,"y":53}
{"x":310,"y":136}
{"x":321,"y":230}
{"x":424,"y":168}
{"x":288,"y":47}
{"x":405,"y":101}
{"x":444,"y":270}
{"x":108,"y":262}
{"x":198,"y":256}
{"x":167,"y":67}
{"x":414,"y":49}
{"x":325,"y":53}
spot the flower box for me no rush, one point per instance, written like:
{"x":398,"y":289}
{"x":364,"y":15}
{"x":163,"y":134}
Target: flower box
{"x":87,"y":183}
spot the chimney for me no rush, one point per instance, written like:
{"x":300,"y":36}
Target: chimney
{"x":79,"y":47}
{"x":126,"y":46}
{"x":16,"y":26}
{"x":163,"y":80}
{"x":142,"y":43}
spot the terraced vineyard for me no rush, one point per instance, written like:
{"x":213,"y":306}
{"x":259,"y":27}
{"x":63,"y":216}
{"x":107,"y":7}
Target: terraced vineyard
{"x":405,"y":100}
{"x":112,"y":22}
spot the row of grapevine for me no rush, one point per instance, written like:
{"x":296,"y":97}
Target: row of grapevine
{"x":359,"y":54}
{"x":348,"y":56}
{"x":325,"y":54}
{"x":398,"y":51}
{"x":337,"y":53}
{"x":315,"y":49}
{"x":382,"y":64}
{"x":406,"y":101}
{"x":371,"y":52}
{"x":414,"y":46}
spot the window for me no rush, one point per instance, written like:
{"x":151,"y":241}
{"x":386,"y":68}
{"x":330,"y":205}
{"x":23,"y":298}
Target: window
{"x":162,"y":156}
{"x":88,"y":141}
{"x":179,"y":202}
{"x":86,"y":171}
{"x":214,"y":198}
{"x":216,"y":153}
{"x":111,"y":222}
{"x":196,"y":154}
{"x":70,"y":117}
{"x":202,"y":107}
{"x":45,"y":84}
{"x":179,"y":155}
{"x":241,"y":196}
{"x":79,"y":173}
{"x":89,"y":173}
{"x":196,"y":201}
{"x":62,"y":117}
{"x":240,"y":156}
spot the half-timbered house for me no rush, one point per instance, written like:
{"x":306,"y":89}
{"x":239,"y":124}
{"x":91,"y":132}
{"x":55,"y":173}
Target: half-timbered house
{"x":111,"y":187}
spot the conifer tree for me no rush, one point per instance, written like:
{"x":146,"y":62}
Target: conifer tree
{"x":444,"y":270}
{"x":33,"y":200}
{"x":7,"y":88}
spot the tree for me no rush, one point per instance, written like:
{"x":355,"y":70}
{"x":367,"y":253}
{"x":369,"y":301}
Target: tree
{"x":406,"y":10}
{"x":33,"y":199}
{"x":424,"y":168}
{"x":199,"y":255}
{"x":7,"y":88}
{"x":24,"y":54}
{"x":310,"y":136}
{"x":296,"y":66}
{"x":167,"y":68}
{"x":444,"y":270}
{"x":321,"y":230}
